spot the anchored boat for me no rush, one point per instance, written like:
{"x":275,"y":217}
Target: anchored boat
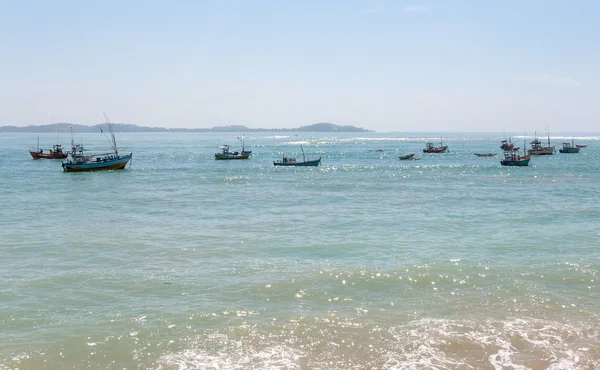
{"x":228,"y":154}
{"x":78,"y":161}
{"x":430,"y":148}
{"x":287,"y":161}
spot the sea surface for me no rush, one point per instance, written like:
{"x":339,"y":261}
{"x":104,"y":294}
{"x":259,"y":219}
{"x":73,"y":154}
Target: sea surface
{"x":365,"y":262}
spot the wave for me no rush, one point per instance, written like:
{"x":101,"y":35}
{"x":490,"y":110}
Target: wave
{"x":341,"y":343}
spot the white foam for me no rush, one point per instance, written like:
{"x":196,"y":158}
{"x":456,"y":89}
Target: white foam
{"x":236,"y":356}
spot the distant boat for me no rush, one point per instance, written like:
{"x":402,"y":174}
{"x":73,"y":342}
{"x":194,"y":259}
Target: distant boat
{"x":537,"y":148}
{"x":485,"y":154}
{"x":228,"y":154}
{"x":407,"y":156}
{"x":512,"y":158}
{"x":430,"y":148}
{"x":287,"y":161}
{"x":507,"y":145}
{"x":570,"y":147}
{"x":77,"y":161}
{"x":55,"y":153}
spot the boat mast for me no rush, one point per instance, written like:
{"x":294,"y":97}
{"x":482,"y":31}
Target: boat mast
{"x":303,"y":157}
{"x":113,"y":143}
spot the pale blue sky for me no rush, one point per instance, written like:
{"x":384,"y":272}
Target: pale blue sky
{"x":472,"y":65}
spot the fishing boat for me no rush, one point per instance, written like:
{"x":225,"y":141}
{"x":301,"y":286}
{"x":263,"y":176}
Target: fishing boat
{"x":485,"y":154}
{"x":570,"y":147}
{"x":78,"y":161}
{"x":512,"y":158}
{"x":538,"y":148}
{"x":507,"y":145}
{"x":55,"y":153}
{"x":407,"y":156}
{"x":430,"y":148}
{"x":226,"y":153}
{"x":287,"y":161}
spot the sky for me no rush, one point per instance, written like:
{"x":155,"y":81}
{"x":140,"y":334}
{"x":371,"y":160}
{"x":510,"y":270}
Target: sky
{"x":388,"y":66}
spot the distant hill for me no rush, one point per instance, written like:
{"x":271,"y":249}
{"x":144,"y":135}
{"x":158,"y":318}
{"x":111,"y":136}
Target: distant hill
{"x":124,"y":127}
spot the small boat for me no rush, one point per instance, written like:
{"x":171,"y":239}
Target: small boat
{"x":430,"y":148}
{"x":287,"y":161}
{"x":55,"y":153}
{"x":407,"y":156}
{"x":485,"y":154}
{"x":512,"y":158}
{"x":569,"y":147}
{"x":77,"y":161}
{"x":228,"y":154}
{"x":537,"y":148}
{"x":507,"y":145}
{"x":581,"y":146}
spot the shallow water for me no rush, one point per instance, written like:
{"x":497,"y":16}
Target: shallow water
{"x":184,"y":262}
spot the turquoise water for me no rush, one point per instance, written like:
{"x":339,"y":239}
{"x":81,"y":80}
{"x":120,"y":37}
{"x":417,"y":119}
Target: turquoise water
{"x":366,"y":262}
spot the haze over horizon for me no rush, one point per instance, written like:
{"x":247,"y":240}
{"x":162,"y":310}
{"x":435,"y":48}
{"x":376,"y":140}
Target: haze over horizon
{"x":381,"y":65}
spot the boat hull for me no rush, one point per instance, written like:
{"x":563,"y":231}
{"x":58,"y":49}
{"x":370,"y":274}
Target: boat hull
{"x":228,"y":156}
{"x":116,"y":164}
{"x":313,"y":163}
{"x":548,"y":150}
{"x":407,"y":156}
{"x":569,"y":150}
{"x":522,"y":163}
{"x":52,"y":155}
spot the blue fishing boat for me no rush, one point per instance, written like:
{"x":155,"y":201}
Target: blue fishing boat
{"x":512,"y":158}
{"x":78,"y":161}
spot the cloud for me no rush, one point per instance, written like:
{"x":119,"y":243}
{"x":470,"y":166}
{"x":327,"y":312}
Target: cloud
{"x":547,"y":79}
{"x":417,"y":8}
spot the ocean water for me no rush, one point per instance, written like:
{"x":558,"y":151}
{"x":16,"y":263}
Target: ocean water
{"x":366,"y":262}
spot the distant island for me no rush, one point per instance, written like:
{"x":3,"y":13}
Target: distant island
{"x":124,"y":127}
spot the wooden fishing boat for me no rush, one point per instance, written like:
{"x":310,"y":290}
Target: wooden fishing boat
{"x":287,"y":161}
{"x":77,"y":161}
{"x":485,"y":154}
{"x":537,"y":148}
{"x":55,"y":153}
{"x":407,"y":156}
{"x":228,"y":154}
{"x":507,"y":145}
{"x":569,"y":147}
{"x":430,"y":148}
